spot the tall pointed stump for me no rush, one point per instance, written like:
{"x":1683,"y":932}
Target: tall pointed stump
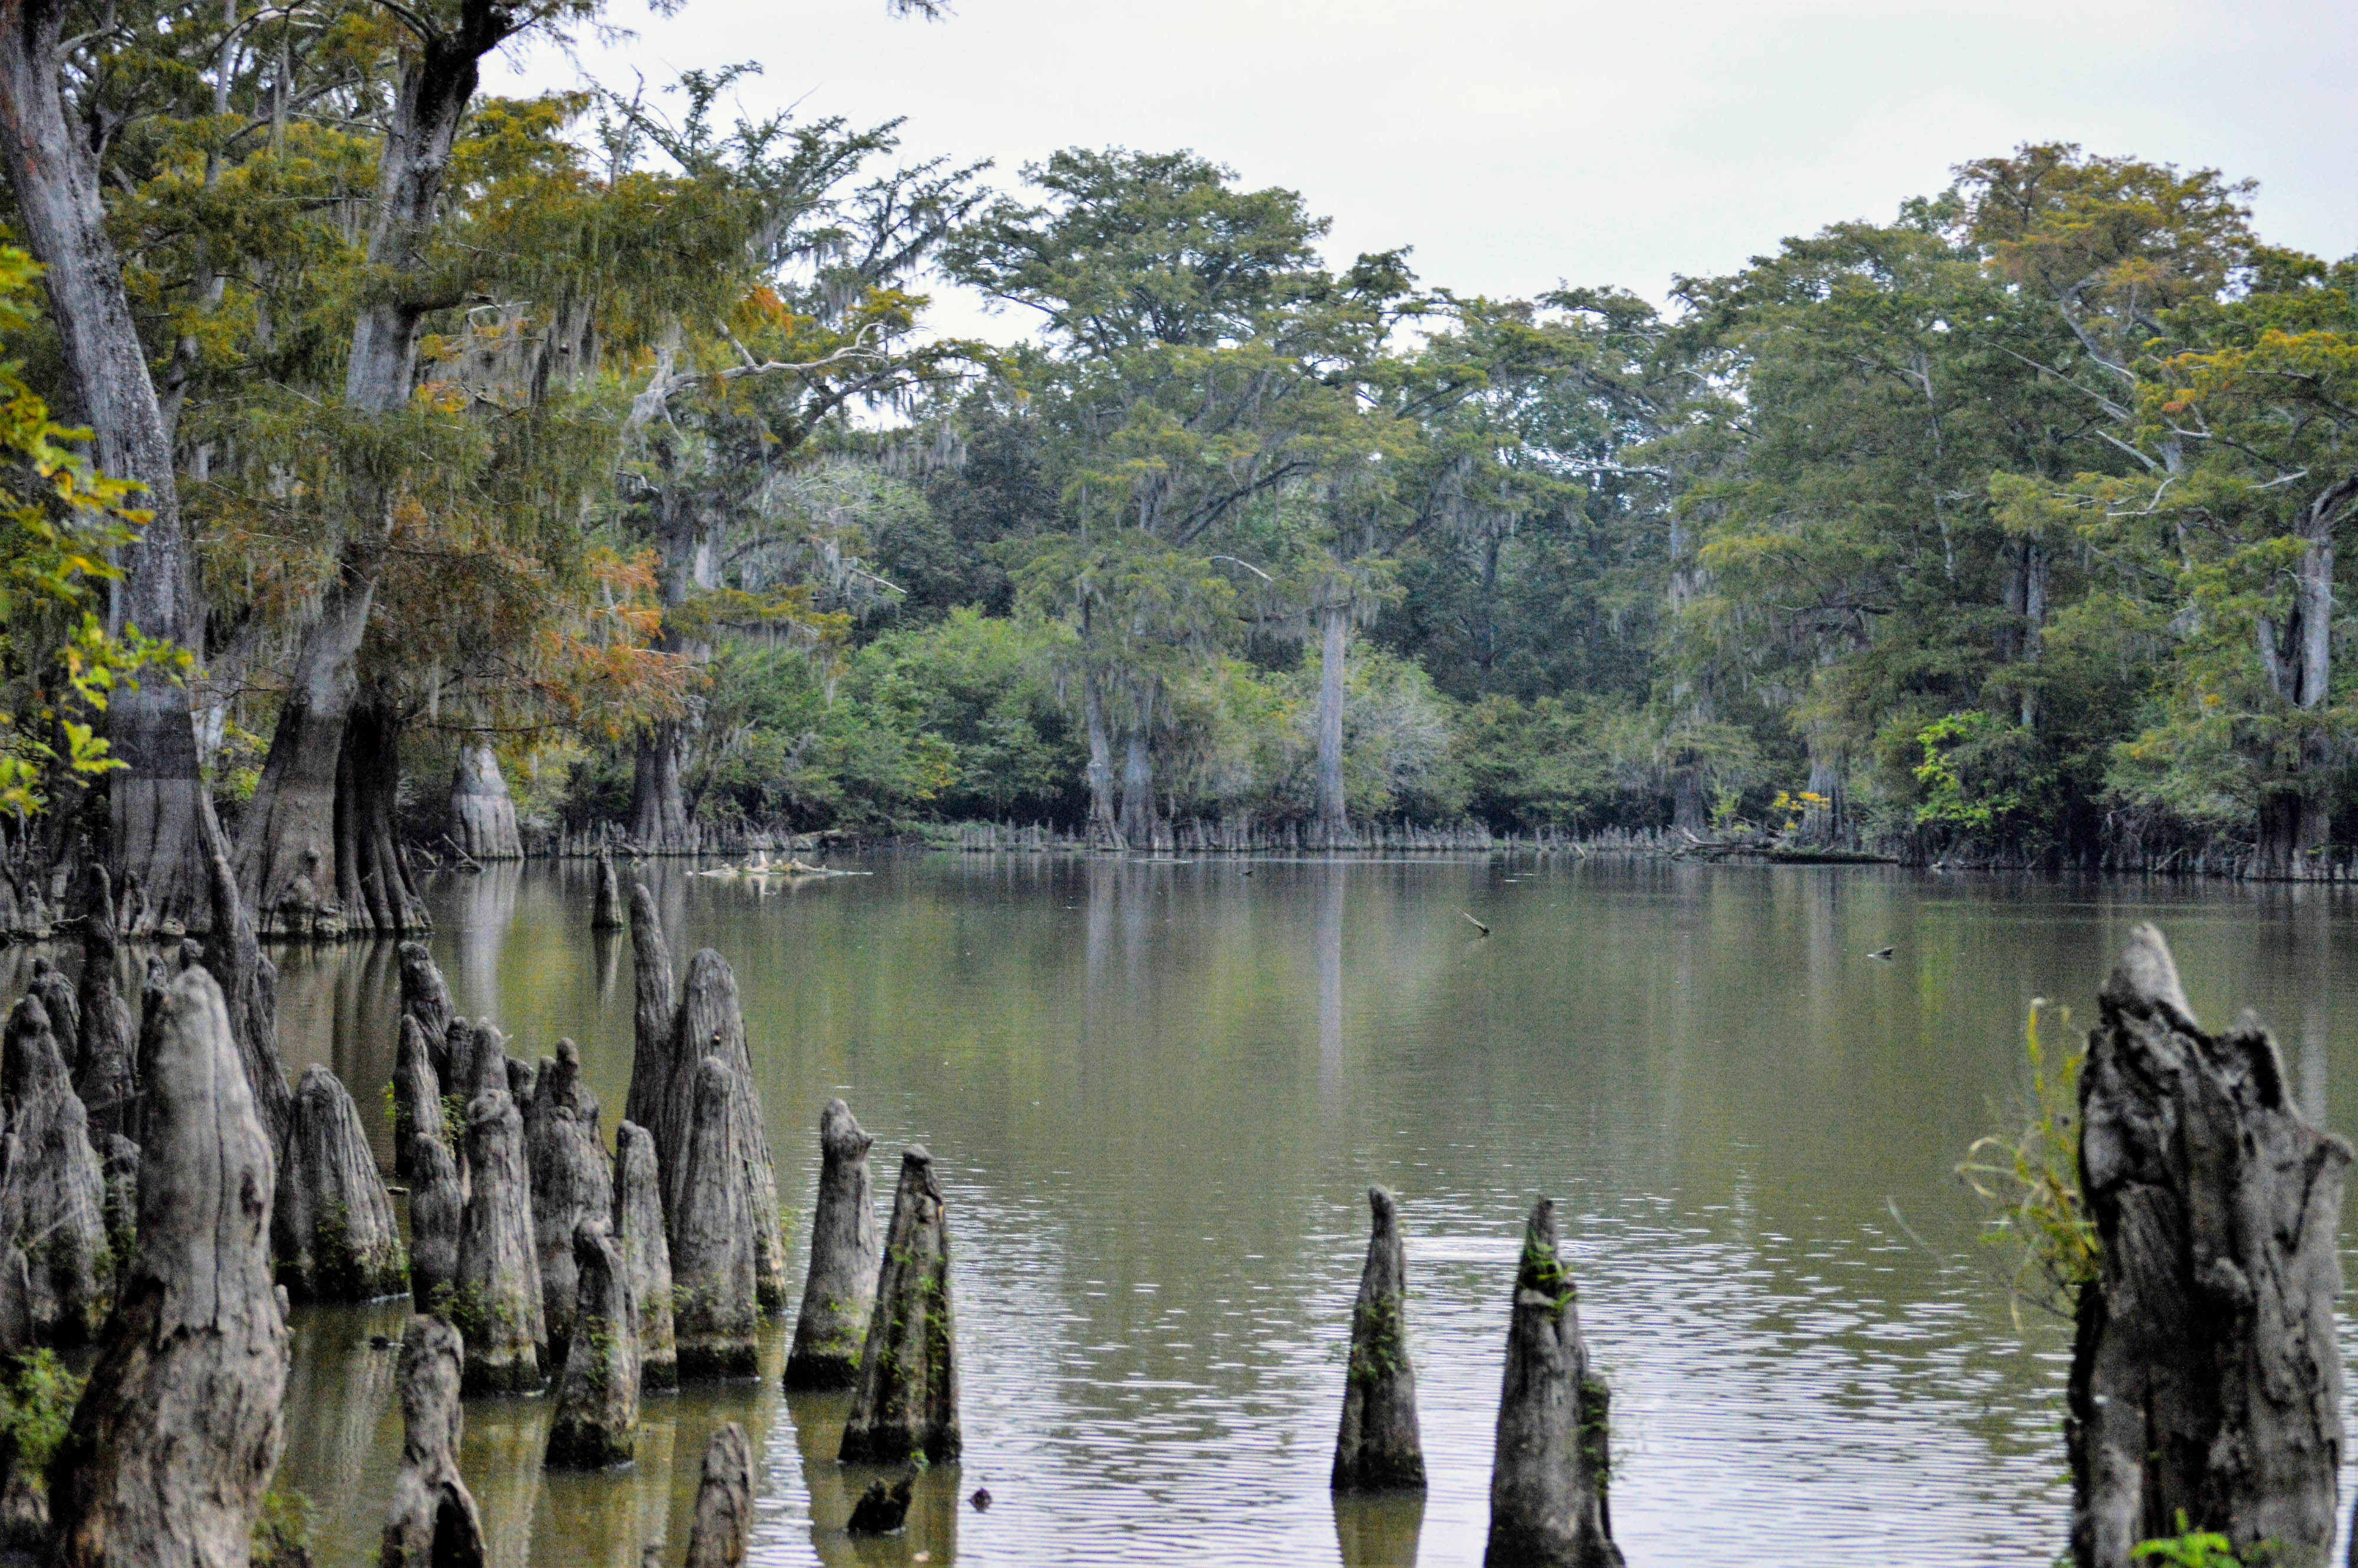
{"x":840,"y":1292}
{"x":724,"y":1502}
{"x":105,"y":1074}
{"x":638,"y":1230}
{"x":715,"y":1318}
{"x":1378,"y":1446}
{"x":2205,"y":1376}
{"x":178,"y":1432}
{"x":438,"y":1205}
{"x":52,"y":1188}
{"x":1548,"y":1475}
{"x":433,"y":1522}
{"x":608,"y":914}
{"x":711,"y":1022}
{"x":332,"y":1224}
{"x":416,"y":1095}
{"x":649,"y":1102}
{"x":496,"y":1306}
{"x":596,"y":1419}
{"x":425,"y":997}
{"x":571,"y":1181}
{"x":906,"y":1402}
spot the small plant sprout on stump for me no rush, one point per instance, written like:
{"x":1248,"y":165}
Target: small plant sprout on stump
{"x":432,"y":1522}
{"x":1377,"y":1447}
{"x":638,"y":1231}
{"x":724,"y":1502}
{"x":332,"y":1224}
{"x":906,"y":1402}
{"x":2205,"y":1390}
{"x":840,"y":1292}
{"x":1548,"y":1476}
{"x":597,"y":1419}
{"x":495,"y":1306}
{"x":715,"y":1319}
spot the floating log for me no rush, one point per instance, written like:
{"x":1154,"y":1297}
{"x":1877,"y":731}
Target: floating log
{"x":178,"y":1432}
{"x":332,"y":1224}
{"x":608,"y":916}
{"x":1548,"y":1475}
{"x":638,"y":1230}
{"x":104,"y":1072}
{"x":2204,"y":1377}
{"x":840,"y":1292}
{"x":432,"y":1521}
{"x":52,"y":1187}
{"x":906,"y":1402}
{"x":596,"y":1419}
{"x":495,"y":1306}
{"x":715,"y":1318}
{"x":724,"y":1502}
{"x":1378,"y":1446}
{"x":417,"y":1095}
{"x":425,"y":997}
{"x":572,"y":1182}
{"x":437,"y":1204}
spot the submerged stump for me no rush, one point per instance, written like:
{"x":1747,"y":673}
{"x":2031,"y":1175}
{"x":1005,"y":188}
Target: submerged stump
{"x":52,"y":1190}
{"x":495,"y":1306}
{"x":438,"y":1205}
{"x":596,"y":1419}
{"x":906,"y":1402}
{"x":715,"y":1319}
{"x":840,"y":1291}
{"x":608,"y":914}
{"x":724,"y":1502}
{"x":432,"y":1521}
{"x":178,"y":1432}
{"x":333,"y":1223}
{"x":2205,"y":1379}
{"x":638,"y":1231}
{"x":1548,"y":1476}
{"x":105,"y":1071}
{"x":1378,"y":1446}
{"x":572,"y":1182}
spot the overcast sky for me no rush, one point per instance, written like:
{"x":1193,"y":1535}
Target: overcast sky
{"x":1515,"y":143}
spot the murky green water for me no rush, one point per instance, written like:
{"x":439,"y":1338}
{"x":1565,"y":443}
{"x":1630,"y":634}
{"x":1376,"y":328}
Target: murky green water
{"x":1156,"y":1094}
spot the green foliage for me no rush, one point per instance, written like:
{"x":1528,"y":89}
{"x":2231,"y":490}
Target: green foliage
{"x":37,"y":1394}
{"x":2030,"y":1179}
{"x":282,"y":1531}
{"x":2193,"y":1549}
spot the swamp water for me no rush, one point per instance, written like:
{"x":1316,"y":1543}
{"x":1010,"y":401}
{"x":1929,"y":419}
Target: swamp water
{"x":1156,"y":1094}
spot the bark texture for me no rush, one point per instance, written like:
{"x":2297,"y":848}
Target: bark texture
{"x":249,"y":984}
{"x":1548,"y":1474}
{"x":1378,"y":1446}
{"x":427,"y":998}
{"x":571,"y":1181}
{"x":713,"y":1241}
{"x":659,"y":818}
{"x":608,"y":916}
{"x":104,"y":1072}
{"x":438,"y":1205}
{"x":374,"y":887}
{"x":496,"y":1306}
{"x":483,"y":813}
{"x":2205,"y":1378}
{"x":596,"y":1419}
{"x":840,"y":1292}
{"x":332,"y":1224}
{"x":906,"y":1402}
{"x":724,"y":1502}
{"x":638,"y":1228}
{"x":417,"y":1097}
{"x":49,"y":987}
{"x":433,"y":1522}
{"x":178,"y":1432}
{"x":52,"y":1189}
{"x":711,"y":1022}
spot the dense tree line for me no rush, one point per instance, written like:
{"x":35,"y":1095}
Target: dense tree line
{"x":603,"y":436}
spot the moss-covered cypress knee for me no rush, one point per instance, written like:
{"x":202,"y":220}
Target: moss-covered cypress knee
{"x":1378,"y":1446}
{"x":840,"y":1291}
{"x":437,"y":1214}
{"x":638,"y":1230}
{"x":572,"y":1180}
{"x":495,"y":1305}
{"x":332,"y":1225}
{"x":715,"y":1318}
{"x":432,"y":1521}
{"x":596,"y":1419}
{"x":1546,"y":1484}
{"x":906,"y":1402}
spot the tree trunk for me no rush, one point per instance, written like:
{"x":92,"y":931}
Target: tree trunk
{"x":433,"y":1522}
{"x":104,"y":1072}
{"x":1378,"y":1446}
{"x":597,"y":1418}
{"x":1334,"y":820}
{"x":374,"y":887}
{"x":840,"y":1290}
{"x":711,"y":1240}
{"x":1105,"y":829}
{"x":572,"y":1182}
{"x":2297,"y":657}
{"x":52,"y":1186}
{"x":1548,"y":1478}
{"x":1826,"y":820}
{"x":2292,"y":830}
{"x":906,"y":1402}
{"x":1138,"y":790}
{"x":178,"y":1431}
{"x":659,"y":824}
{"x":1689,"y":811}
{"x":638,"y":1230}
{"x":724,"y":1502}
{"x":2205,"y":1378}
{"x":483,"y":813}
{"x":332,"y":1224}
{"x":496,"y":1304}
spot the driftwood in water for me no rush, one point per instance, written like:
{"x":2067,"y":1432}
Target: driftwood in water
{"x":52,"y":1191}
{"x":495,"y":1306}
{"x":840,"y":1292}
{"x":437,"y":1214}
{"x":433,"y":1522}
{"x":572,"y":1182}
{"x":332,"y":1224}
{"x":715,"y":1318}
{"x":1548,"y":1475}
{"x":2205,"y":1378}
{"x":905,"y":1403}
{"x":596,"y":1419}
{"x":638,"y":1230}
{"x":483,"y":813}
{"x":104,"y":1072}
{"x":427,"y":998}
{"x":1378,"y":1446}
{"x":178,"y":1431}
{"x":724,"y":1502}
{"x":417,"y":1095}
{"x":608,"y":916}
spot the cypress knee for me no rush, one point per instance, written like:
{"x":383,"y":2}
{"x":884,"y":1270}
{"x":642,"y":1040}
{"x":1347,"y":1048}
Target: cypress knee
{"x":840,"y":1290}
{"x":1378,"y":1446}
{"x":52,"y":1185}
{"x":417,"y":1095}
{"x":158,"y":1466}
{"x":2203,"y":1375}
{"x":596,"y":1419}
{"x":906,"y":1402}
{"x":437,"y":1213}
{"x":711,"y":1022}
{"x":433,"y":1522}
{"x":608,"y":916}
{"x":570,"y":1182}
{"x":333,"y":1223}
{"x":119,"y":1162}
{"x":724,"y":1502}
{"x":712,"y":1242}
{"x":1547,"y":1478}
{"x":425,"y":997}
{"x":649,"y":1101}
{"x":638,"y":1228}
{"x":49,"y":986}
{"x":496,"y":1304}
{"x":103,"y":1073}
